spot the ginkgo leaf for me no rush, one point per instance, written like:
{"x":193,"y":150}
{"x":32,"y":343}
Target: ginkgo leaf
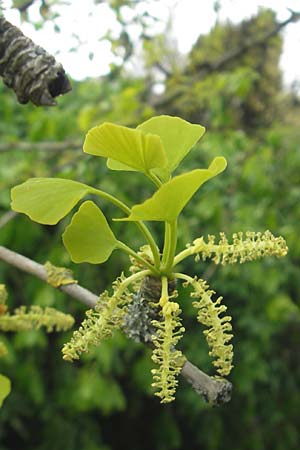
{"x":163,"y":174}
{"x":167,"y":203}
{"x":116,"y":165}
{"x":89,"y":238}
{"x":135,"y":149}
{"x":5,"y":387}
{"x":178,"y":137}
{"x":47,"y":200}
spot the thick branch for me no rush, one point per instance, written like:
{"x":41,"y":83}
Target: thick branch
{"x":28,"y":69}
{"x":7,"y":217}
{"x":207,"y":67}
{"x":40,"y":146}
{"x":250,"y":43}
{"x":213,"y":391}
{"x":39,"y":271}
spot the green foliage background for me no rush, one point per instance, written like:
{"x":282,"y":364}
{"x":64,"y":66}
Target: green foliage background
{"x":105,"y":402}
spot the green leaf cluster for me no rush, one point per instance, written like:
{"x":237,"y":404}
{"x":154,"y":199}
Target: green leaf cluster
{"x":252,"y":121}
{"x":155,"y":148}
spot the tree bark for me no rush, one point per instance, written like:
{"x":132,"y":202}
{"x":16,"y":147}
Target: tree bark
{"x":28,"y":69}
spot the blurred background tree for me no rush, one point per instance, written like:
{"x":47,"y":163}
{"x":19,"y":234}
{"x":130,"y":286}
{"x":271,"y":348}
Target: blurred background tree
{"x":230,"y":82}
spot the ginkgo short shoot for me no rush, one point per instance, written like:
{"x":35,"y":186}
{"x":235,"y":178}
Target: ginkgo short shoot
{"x":155,"y":148}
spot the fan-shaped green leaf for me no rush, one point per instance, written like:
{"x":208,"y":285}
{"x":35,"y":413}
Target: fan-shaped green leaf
{"x":89,"y":238}
{"x":138,"y":150}
{"x":116,"y":165}
{"x":5,"y":387}
{"x":167,"y":203}
{"x":47,"y":200}
{"x":178,"y":137}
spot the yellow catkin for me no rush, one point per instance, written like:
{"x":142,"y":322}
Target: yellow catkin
{"x":3,"y":298}
{"x":244,"y":247}
{"x":99,"y":323}
{"x":36,"y":317}
{"x":58,"y":276}
{"x":169,"y":360}
{"x":218,"y":333}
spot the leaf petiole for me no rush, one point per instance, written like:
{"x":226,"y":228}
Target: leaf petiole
{"x":142,"y":227}
{"x":166,"y":243}
{"x":183,"y":276}
{"x":139,"y":258}
{"x":182,"y":255}
{"x":132,"y":279}
{"x":154,"y":178}
{"x":169,"y":247}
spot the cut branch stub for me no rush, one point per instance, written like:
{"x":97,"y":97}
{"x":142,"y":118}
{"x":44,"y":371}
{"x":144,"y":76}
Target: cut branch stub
{"x":28,"y":69}
{"x":214,"y":391}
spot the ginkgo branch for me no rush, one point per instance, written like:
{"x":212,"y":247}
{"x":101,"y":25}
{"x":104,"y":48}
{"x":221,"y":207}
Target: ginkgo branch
{"x":213,"y":391}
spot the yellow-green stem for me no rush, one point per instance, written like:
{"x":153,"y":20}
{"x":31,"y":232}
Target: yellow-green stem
{"x":139,"y":258}
{"x":132,"y":279}
{"x":182,"y":255}
{"x":170,"y":248}
{"x":166,"y":243}
{"x":154,"y":178}
{"x":164,"y":297}
{"x":142,"y":227}
{"x":183,"y":276}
